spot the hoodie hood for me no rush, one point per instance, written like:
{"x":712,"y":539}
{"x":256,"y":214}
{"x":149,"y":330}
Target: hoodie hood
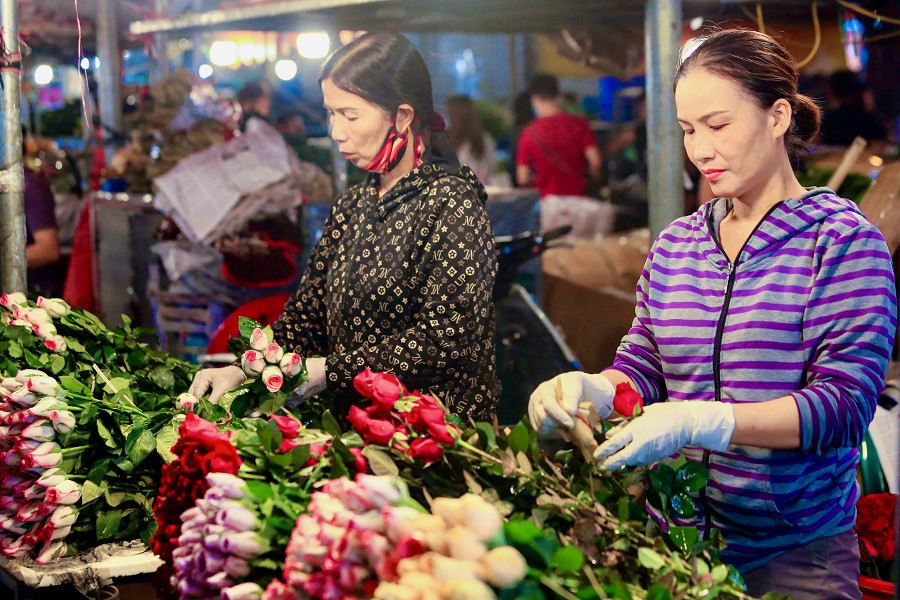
{"x":414,"y":183}
{"x":786,"y":219}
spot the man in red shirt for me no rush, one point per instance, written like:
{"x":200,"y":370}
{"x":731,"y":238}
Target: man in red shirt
{"x":557,"y":151}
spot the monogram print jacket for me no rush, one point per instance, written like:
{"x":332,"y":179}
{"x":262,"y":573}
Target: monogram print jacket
{"x":403,"y":283}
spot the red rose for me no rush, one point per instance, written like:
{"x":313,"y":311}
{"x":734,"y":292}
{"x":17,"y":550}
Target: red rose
{"x":287,"y":445}
{"x":876,"y":524}
{"x":359,"y":461}
{"x":384,"y":389}
{"x":378,"y":431}
{"x":315,"y":453}
{"x":626,"y":399}
{"x":442,"y":432}
{"x":195,"y":427}
{"x":408,"y":546}
{"x":425,"y":449}
{"x":289,"y":426}
{"x":422,"y":416}
{"x":358,"y":419}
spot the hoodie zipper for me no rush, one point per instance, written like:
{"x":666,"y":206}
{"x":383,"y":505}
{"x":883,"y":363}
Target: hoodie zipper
{"x":717,"y":349}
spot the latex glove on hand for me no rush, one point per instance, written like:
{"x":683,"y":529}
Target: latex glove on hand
{"x":217,"y":381}
{"x":665,"y":428}
{"x":558,"y":402}
{"x":315,"y":371}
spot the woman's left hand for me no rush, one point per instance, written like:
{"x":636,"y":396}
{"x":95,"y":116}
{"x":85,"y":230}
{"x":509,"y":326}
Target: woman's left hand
{"x":315,"y":370}
{"x":665,"y":428}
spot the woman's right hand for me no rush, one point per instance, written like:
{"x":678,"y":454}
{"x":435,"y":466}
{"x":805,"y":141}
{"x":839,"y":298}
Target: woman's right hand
{"x":556,"y":403}
{"x":218,"y":380}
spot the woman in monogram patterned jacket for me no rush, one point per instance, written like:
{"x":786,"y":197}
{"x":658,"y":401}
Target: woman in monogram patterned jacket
{"x":401,"y":278}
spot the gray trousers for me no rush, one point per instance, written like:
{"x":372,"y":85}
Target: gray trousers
{"x":824,"y":569}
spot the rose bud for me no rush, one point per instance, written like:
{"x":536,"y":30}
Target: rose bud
{"x":44,"y":330}
{"x":243,"y":591}
{"x":244,"y":544}
{"x":236,"y":567}
{"x":51,"y":533}
{"x":66,"y":492}
{"x":41,"y":431}
{"x":449,"y":509}
{"x":273,"y":353}
{"x":25,"y":374}
{"x":233,"y":486}
{"x":463,"y":544}
{"x":20,"y":323}
{"x":291,"y":364}
{"x":23,"y":397}
{"x":34,"y":492}
{"x":398,"y":521}
{"x":62,"y":421}
{"x":482,"y":518}
{"x":236,"y":518}
{"x":288,"y":426}
{"x":43,"y":385}
{"x":259,"y":340}
{"x":432,"y":530}
{"x":10,"y":384}
{"x":219,"y":581}
{"x":35,"y":316}
{"x":42,"y":460}
{"x":504,"y":567}
{"x":11,"y":525}
{"x":47,"y":407}
{"x":450,"y":569}
{"x":467,"y":590}
{"x":51,"y":478}
{"x":185,"y":401}
{"x":394,"y":591}
{"x":383,"y":490}
{"x":28,"y":512}
{"x":420,"y":581}
{"x":273,"y":378}
{"x":252,"y":363}
{"x":13,"y":301}
{"x":64,"y":516}
{"x":57,"y":343}
{"x":55,"y":306}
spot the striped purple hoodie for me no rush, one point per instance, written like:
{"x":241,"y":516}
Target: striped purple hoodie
{"x":809,"y":310}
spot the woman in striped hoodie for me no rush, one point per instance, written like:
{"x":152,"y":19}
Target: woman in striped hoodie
{"x":764,"y":324}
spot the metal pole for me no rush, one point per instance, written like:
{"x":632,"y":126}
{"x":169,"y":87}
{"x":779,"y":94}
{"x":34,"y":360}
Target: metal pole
{"x":196,"y":50}
{"x":110,"y":75}
{"x":159,"y":63}
{"x":12,"y":178}
{"x":662,"y":43}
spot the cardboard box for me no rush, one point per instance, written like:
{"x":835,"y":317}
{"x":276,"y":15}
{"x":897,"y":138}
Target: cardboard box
{"x":589,"y":293}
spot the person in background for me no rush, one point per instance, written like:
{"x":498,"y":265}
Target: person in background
{"x":763,"y":327}
{"x":523,"y":114}
{"x":41,"y":233}
{"x":255,"y":99}
{"x":557,"y":151}
{"x":849,"y":116}
{"x":293,"y":129}
{"x":474,"y":146}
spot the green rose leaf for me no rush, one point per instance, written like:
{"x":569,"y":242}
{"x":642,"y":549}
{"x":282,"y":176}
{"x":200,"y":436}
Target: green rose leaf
{"x":682,"y":504}
{"x":330,"y":424}
{"x":165,"y":439}
{"x":139,"y":444}
{"x":380,"y":462}
{"x":246,"y":326}
{"x":650,"y":559}
{"x":658,"y":592}
{"x":518,"y":439}
{"x":521,"y":532}
{"x":91,"y":491}
{"x":684,"y":538}
{"x":567,"y":559}
{"x":108,"y":523}
{"x":486,"y":435}
{"x":692,"y":477}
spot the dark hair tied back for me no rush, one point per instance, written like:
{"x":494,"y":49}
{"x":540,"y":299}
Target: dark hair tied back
{"x":387,"y":70}
{"x":764,"y":69}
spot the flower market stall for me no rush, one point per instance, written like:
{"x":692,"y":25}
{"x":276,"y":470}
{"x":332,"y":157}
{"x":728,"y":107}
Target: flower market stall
{"x":258,"y":497}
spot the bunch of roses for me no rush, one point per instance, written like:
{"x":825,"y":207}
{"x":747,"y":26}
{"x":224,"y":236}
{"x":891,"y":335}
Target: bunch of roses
{"x":339,"y":550}
{"x":457,"y":555}
{"x":201,"y":449}
{"x":626,"y":402}
{"x":219,"y":535}
{"x":411,"y":422}
{"x":267,"y":360}
{"x":35,"y":496}
{"x":38,"y":319}
{"x":876,"y":526}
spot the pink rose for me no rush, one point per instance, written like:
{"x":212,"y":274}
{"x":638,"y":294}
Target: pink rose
{"x":273,"y":378}
{"x":291,"y":364}
{"x":289,"y":426}
{"x":259,"y":340}
{"x":273,"y":353}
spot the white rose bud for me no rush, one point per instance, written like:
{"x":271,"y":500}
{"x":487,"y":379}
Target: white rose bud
{"x":35,"y":316}
{"x":13,"y":301}
{"x":449,"y":509}
{"x":462,"y":543}
{"x":419,"y":581}
{"x":291,"y":363}
{"x":504,"y":567}
{"x":467,"y":590}
{"x":450,"y":569}
{"x":259,"y":340}
{"x":393,"y":591}
{"x":273,"y":378}
{"x":44,"y":330}
{"x":482,"y":518}
{"x":273,"y":353}
{"x":56,"y":343}
{"x":55,"y":306}
{"x":25,"y":374}
{"x":252,"y":363}
{"x":185,"y":401}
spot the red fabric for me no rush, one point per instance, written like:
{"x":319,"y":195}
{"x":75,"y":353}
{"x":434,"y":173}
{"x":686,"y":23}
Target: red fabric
{"x":79,"y":288}
{"x":554,"y":148}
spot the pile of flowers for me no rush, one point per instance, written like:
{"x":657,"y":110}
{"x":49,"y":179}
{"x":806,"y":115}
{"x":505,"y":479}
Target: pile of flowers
{"x":201,"y":450}
{"x":876,"y":526}
{"x":36,"y":497}
{"x":38,"y":319}
{"x":413,"y":423}
{"x":219,"y":535}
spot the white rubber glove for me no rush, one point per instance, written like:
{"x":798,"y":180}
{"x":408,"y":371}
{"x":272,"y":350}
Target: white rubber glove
{"x":555,"y":403}
{"x":315,"y":370}
{"x":665,"y":428}
{"x":219,"y":380}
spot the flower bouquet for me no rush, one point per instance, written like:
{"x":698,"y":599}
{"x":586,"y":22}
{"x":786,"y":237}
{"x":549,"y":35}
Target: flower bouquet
{"x":876,"y":527}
